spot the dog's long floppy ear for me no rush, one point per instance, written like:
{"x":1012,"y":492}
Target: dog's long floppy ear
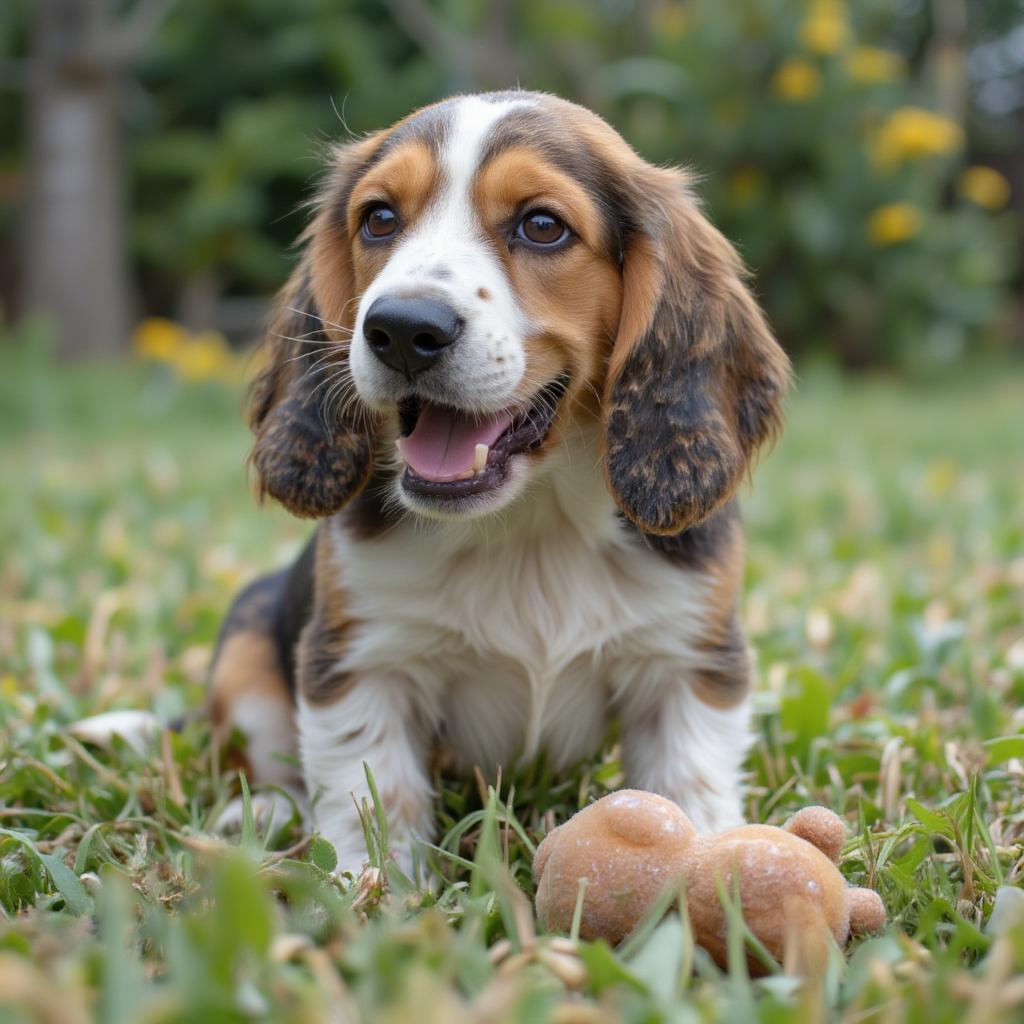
{"x":696,"y":380}
{"x":313,"y":443}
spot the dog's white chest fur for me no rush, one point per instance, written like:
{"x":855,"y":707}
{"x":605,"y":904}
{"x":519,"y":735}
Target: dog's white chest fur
{"x":519,"y":634}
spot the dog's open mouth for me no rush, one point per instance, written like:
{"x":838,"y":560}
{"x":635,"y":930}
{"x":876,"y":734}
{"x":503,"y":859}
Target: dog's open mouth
{"x":450,"y":452}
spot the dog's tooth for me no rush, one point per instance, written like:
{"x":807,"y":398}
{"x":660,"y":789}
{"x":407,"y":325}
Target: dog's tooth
{"x":469,"y":474}
{"x":398,"y":445}
{"x":480,"y":458}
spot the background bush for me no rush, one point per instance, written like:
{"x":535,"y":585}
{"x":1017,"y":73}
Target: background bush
{"x":835,"y":142}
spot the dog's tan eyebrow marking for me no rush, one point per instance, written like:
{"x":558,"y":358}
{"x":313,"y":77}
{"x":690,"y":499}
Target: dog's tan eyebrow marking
{"x":408,"y":177}
{"x":548,"y":131}
{"x":519,"y":176}
{"x":429,"y":127}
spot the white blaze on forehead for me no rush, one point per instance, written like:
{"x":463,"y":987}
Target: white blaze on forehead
{"x":464,"y":148}
{"x":448,"y":254}
{"x":451,"y":232}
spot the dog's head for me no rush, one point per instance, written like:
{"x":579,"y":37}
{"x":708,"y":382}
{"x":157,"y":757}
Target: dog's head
{"x":480,"y":274}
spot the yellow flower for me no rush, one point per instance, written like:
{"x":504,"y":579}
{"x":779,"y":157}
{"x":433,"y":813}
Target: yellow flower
{"x":894,"y":223}
{"x":870,"y":65}
{"x":796,"y":80}
{"x":911,"y":133}
{"x":192,"y":356}
{"x":985,"y":186}
{"x":825,"y":29}
{"x":745,"y":184}
{"x":204,"y":356}
{"x":158,"y":339}
{"x":939,"y":478}
{"x":671,"y":19}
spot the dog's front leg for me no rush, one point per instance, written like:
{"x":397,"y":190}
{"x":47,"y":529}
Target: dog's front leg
{"x":677,"y":743}
{"x":374,"y":721}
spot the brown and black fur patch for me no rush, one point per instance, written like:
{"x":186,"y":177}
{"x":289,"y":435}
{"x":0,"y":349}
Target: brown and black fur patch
{"x":310,"y":453}
{"x":701,"y":548}
{"x":321,"y":645}
{"x":325,"y":636}
{"x":274,"y":609}
{"x":313,"y":446}
{"x":311,"y":469}
{"x":726,"y":679}
{"x":374,"y":512}
{"x":713,"y":548}
{"x":696,"y":379}
{"x":255,"y":656}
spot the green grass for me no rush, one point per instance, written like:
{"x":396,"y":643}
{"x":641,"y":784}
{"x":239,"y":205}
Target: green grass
{"x":885,"y":600}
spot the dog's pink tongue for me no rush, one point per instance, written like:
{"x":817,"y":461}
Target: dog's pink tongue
{"x":442,"y":445}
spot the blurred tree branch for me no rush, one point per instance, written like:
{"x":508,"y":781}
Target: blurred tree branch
{"x":75,"y":265}
{"x":947,"y":56}
{"x":125,"y":41}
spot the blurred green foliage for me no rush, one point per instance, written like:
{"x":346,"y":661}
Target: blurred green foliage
{"x":851,"y":219}
{"x":824,"y":163}
{"x":242,"y":96}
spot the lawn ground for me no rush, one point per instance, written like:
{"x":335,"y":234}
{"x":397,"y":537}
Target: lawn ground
{"x":885,"y":600}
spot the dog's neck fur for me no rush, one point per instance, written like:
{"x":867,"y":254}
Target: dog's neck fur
{"x":544,"y":594}
{"x":568,"y":501}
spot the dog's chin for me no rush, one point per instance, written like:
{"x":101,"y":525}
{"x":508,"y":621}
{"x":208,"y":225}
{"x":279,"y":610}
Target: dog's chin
{"x":443,"y":474}
{"x":448,"y":508}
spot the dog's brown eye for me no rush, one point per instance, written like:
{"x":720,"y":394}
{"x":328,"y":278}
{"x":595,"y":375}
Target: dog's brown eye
{"x":542,"y":229}
{"x":380,"y":222}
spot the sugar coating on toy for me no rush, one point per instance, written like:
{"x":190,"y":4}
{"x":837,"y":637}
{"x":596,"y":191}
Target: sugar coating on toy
{"x":631,"y":845}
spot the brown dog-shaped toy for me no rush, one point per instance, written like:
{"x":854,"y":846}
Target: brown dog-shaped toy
{"x":632,"y":845}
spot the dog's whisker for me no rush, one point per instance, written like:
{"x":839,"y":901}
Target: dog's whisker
{"x":307,"y":350}
{"x":320,"y":319}
{"x":342,"y":387}
{"x":328,"y":383}
{"x":315,"y":372}
{"x":325,"y":357}
{"x":324,"y":409}
{"x":344,"y":378}
{"x":309,"y":338}
{"x":347,"y":400}
{"x":310,"y":375}
{"x":339,"y":327}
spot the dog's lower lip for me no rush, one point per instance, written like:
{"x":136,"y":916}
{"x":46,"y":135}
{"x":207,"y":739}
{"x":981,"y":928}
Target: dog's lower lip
{"x":526,"y":433}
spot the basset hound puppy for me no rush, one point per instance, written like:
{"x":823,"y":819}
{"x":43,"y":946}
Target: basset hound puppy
{"x":517,"y":377}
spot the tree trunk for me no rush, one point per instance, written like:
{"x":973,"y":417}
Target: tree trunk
{"x":75,"y":266}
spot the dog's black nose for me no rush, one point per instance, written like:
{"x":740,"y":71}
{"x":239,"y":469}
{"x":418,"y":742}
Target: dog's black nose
{"x":409,"y":334}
